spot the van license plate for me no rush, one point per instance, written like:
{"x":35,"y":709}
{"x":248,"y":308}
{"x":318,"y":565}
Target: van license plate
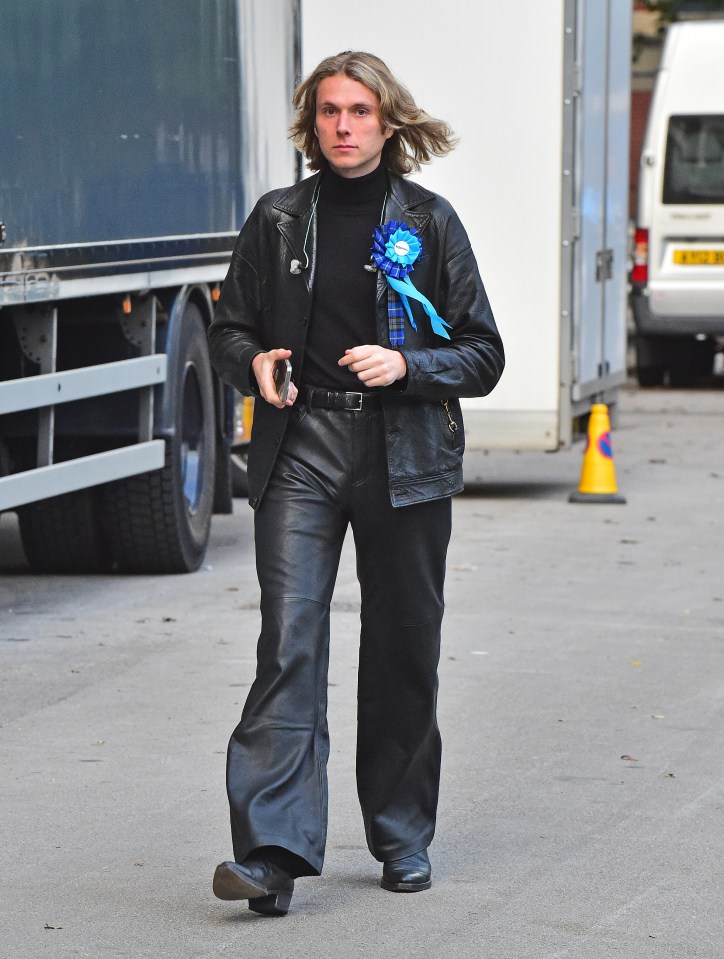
{"x":699,"y":257}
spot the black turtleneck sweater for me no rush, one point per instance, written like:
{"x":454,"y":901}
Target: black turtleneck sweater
{"x":343,"y":305}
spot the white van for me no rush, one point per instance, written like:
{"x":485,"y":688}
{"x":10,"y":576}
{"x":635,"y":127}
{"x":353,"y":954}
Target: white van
{"x":678,"y":264}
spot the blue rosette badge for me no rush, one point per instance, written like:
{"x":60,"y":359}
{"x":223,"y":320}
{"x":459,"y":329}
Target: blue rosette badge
{"x":395,"y":249}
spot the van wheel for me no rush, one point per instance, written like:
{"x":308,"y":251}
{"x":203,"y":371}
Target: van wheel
{"x":692,"y":360}
{"x":160,"y":522}
{"x":650,"y":375}
{"x":652,"y":353}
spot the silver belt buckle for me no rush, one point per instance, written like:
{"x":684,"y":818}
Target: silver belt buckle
{"x":355,"y":409}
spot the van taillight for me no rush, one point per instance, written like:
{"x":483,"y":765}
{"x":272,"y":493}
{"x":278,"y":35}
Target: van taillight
{"x":640,"y":272}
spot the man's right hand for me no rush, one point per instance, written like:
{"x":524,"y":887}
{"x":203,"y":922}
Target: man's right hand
{"x":263,"y":367}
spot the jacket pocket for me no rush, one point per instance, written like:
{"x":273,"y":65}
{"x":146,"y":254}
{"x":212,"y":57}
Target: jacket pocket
{"x":452,"y":423}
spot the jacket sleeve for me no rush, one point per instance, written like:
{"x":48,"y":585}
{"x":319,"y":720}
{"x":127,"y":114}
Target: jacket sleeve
{"x":235,"y":331}
{"x":472,"y":361}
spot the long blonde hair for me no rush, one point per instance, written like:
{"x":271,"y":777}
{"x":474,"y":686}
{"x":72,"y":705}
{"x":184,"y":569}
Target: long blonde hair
{"x":417,"y":137}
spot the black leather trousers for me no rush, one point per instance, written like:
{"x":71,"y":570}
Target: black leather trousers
{"x":331,"y":473}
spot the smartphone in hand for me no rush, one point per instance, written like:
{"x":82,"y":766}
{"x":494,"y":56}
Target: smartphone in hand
{"x":282,"y":378}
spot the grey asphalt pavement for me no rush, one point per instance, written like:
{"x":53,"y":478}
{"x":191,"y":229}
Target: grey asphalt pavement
{"x":581,"y":706}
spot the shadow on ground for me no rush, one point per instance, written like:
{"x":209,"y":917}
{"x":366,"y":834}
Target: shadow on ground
{"x":517,"y":490}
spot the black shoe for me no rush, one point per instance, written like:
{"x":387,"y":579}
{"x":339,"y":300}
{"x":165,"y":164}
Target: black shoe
{"x":411,"y":874}
{"x":267,"y":887}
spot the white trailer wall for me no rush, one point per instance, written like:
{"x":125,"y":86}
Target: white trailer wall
{"x":494,"y":71}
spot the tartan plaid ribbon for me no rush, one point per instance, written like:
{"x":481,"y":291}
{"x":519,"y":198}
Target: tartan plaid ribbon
{"x":395,"y":318}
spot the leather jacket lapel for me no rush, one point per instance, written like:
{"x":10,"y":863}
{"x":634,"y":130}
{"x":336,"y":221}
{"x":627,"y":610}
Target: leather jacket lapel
{"x":296,"y":207}
{"x":403,"y":197}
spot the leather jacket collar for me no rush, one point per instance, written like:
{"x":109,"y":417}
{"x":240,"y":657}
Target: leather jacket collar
{"x":298,"y":204}
{"x":298,"y":200}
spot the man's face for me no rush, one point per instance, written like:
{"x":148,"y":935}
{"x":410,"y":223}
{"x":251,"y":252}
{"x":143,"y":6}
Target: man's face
{"x":348,"y":126}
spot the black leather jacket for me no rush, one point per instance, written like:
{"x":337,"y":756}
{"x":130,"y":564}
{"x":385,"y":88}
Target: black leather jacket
{"x":264,"y":306}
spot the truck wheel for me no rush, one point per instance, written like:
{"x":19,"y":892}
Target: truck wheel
{"x":63,"y":534}
{"x":160,"y":522}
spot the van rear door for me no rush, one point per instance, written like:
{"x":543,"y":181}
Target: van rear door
{"x":686,"y":266}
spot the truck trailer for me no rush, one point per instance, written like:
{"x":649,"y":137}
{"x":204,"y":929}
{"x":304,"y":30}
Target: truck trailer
{"x":539,"y":96}
{"x":136,"y":138}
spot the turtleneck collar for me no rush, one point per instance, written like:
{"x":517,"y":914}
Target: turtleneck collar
{"x":353,"y":190}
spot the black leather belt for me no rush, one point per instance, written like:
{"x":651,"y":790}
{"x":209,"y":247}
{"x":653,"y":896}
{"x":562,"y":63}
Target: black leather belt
{"x":332,"y":400}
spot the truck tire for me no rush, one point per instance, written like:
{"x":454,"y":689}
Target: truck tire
{"x":160,"y":522}
{"x":64,"y":534}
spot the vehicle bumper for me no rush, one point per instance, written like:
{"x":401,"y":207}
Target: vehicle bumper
{"x":657,"y":324}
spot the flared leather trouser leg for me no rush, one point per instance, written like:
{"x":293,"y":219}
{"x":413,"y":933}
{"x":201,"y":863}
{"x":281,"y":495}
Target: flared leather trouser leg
{"x":331,"y":473}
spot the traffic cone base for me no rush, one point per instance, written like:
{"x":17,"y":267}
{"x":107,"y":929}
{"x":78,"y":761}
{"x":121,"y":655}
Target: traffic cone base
{"x":579,"y":497}
{"x":598,"y":475}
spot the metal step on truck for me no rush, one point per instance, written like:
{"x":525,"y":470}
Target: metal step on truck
{"x":135,"y":139}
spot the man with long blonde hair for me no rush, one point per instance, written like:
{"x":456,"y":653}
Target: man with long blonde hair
{"x":364,"y":283}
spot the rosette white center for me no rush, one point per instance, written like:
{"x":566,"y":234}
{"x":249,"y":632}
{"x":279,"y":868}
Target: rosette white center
{"x":402,"y":248}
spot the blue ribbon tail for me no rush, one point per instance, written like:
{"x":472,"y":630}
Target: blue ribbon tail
{"x":405,"y":289}
{"x":406,"y":304}
{"x":439,"y":325}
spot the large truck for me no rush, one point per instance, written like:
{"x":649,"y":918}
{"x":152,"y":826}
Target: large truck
{"x":539,"y":95}
{"x":135,"y":138}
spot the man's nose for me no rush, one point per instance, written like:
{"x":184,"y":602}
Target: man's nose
{"x":343,"y":126}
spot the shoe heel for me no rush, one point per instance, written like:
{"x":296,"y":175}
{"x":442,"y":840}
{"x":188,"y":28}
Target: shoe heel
{"x":275,"y":904}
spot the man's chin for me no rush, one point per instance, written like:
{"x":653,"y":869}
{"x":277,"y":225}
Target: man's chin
{"x":352,"y":167}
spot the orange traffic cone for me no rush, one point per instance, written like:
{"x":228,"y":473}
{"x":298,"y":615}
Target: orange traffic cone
{"x":598,"y":475}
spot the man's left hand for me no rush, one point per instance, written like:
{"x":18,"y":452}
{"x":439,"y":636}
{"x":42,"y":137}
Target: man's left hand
{"x":374,"y":365}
